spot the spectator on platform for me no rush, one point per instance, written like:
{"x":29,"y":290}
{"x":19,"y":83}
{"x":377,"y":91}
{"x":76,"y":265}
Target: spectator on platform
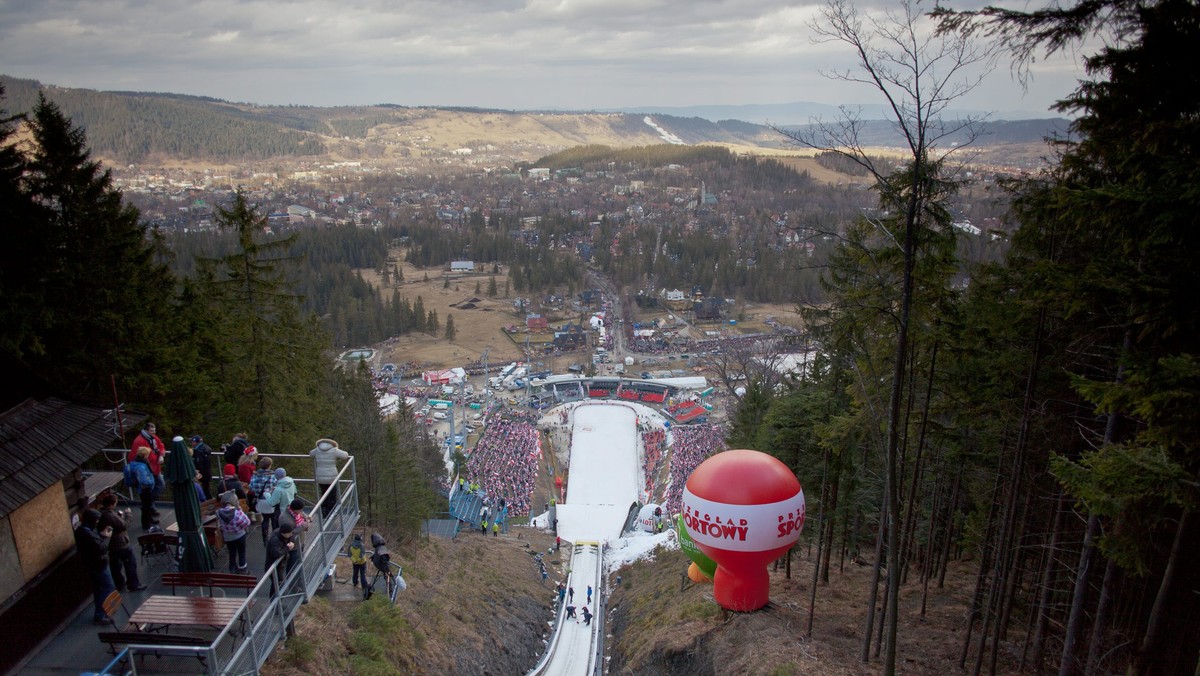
{"x":122,"y":564}
{"x":148,"y":439}
{"x":283,"y":493}
{"x":235,"y":449}
{"x":229,"y":482}
{"x":234,"y":525}
{"x":325,"y":458}
{"x":262,"y":484}
{"x":202,"y":458}
{"x":91,"y":541}
{"x":247,"y":464}
{"x":140,"y":466}
{"x":280,"y":546}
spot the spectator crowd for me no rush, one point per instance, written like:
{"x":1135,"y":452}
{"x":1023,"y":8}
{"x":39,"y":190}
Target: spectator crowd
{"x":505,"y":461}
{"x":689,"y":447}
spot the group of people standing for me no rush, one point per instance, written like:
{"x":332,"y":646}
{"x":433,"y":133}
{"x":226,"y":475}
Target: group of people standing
{"x":104,"y":542}
{"x":567,"y":595}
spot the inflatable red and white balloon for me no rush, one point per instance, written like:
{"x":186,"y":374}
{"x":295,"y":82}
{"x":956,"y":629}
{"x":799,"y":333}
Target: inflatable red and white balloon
{"x":744,"y":509}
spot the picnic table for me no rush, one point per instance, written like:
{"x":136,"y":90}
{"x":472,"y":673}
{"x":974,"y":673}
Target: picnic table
{"x":164,"y":610}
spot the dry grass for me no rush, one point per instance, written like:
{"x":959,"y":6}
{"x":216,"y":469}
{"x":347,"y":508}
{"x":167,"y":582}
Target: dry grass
{"x":475,"y":329}
{"x":662,"y":626}
{"x":473,"y":605}
{"x":481,"y":328}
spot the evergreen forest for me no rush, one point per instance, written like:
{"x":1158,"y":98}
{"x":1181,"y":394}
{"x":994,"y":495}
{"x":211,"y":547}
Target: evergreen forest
{"x":1040,"y":415}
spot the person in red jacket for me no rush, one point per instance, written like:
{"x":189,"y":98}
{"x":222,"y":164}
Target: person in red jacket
{"x":147,"y":438}
{"x":247,"y":464}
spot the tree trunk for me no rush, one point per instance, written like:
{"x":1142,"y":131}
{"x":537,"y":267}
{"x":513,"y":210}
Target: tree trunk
{"x":812,"y":594}
{"x":981,"y":578}
{"x":826,"y":489}
{"x":951,"y":509}
{"x":1049,"y":575}
{"x":831,"y":511}
{"x":873,"y":592}
{"x":910,"y":530}
{"x":1151,"y":642}
{"x":928,"y":567}
{"x":1100,"y":623}
{"x":893,"y":437}
{"x":1068,"y":665}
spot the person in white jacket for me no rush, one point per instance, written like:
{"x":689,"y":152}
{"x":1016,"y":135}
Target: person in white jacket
{"x":325,"y":470}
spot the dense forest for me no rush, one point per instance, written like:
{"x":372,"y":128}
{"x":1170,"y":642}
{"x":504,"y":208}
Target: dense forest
{"x":1038,"y":416}
{"x":91,"y":306}
{"x":135,"y":127}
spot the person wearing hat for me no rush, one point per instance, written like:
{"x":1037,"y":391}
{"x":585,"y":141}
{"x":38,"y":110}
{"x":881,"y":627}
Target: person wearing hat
{"x":282,"y":495}
{"x":247,"y":464}
{"x":294,"y":515}
{"x":229,"y":482}
{"x":325,"y":458}
{"x":202,"y":458}
{"x":234,"y":525}
{"x":281,"y":547}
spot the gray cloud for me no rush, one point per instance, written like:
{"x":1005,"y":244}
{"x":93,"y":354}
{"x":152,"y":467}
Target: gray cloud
{"x":493,"y":53}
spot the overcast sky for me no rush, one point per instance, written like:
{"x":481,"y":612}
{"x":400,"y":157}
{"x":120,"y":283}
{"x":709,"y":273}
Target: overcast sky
{"x":512,"y":54}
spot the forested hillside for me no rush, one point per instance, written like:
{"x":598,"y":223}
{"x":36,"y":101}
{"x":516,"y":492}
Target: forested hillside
{"x":139,"y":127}
{"x":133,"y":127}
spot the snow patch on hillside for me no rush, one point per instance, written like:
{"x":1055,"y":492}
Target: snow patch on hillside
{"x":663,"y":133}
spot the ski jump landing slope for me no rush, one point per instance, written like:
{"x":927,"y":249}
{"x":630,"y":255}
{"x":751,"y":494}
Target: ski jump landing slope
{"x":602,"y":484}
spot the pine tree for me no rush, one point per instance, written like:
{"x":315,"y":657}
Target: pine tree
{"x":272,"y":354}
{"x":96,"y":303}
{"x":450,"y":332}
{"x":491,"y":290}
{"x":1110,"y":239}
{"x":22,"y":321}
{"x":419,"y":316}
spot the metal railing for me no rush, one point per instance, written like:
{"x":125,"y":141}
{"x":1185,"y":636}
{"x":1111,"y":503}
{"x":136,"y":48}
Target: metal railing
{"x":266,"y":616}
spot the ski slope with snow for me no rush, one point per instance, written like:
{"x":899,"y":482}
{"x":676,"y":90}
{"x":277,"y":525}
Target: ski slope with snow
{"x":602,"y":484}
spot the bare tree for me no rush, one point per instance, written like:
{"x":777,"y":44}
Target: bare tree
{"x":919,"y":74}
{"x":736,"y":362}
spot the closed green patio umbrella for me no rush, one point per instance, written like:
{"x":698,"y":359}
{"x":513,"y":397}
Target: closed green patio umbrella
{"x":194,"y":555}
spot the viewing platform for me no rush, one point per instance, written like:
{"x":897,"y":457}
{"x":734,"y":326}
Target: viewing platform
{"x":227,"y":627}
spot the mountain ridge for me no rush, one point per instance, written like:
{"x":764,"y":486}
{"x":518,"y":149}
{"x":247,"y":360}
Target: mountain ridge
{"x":140,"y":127}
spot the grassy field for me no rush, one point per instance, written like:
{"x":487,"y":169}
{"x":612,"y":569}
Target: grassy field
{"x":482,"y":328}
{"x":476,"y":329}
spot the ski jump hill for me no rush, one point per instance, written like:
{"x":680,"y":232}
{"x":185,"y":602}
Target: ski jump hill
{"x":604,"y":471}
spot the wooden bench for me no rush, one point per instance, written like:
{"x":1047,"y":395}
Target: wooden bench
{"x":125,"y":638}
{"x":210,"y":581}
